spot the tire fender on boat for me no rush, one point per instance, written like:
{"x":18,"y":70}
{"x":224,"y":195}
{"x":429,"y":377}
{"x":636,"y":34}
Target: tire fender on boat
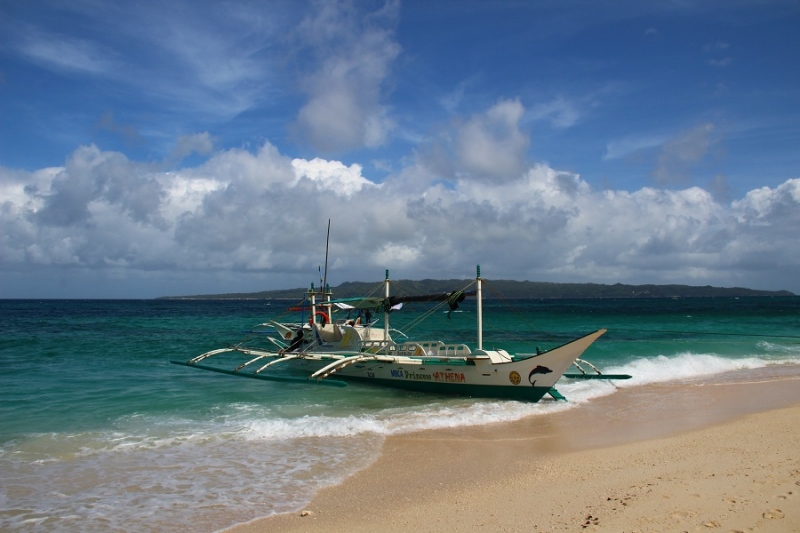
{"x":323,"y":314}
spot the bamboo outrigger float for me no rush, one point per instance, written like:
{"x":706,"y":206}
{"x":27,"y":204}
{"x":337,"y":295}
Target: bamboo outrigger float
{"x":331,"y":354}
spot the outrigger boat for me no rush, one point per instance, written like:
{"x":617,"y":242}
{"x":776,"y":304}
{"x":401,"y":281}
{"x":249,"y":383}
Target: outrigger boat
{"x":333,"y":353}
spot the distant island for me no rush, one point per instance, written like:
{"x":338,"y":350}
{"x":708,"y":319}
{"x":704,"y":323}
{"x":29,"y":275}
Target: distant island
{"x":505,"y":289}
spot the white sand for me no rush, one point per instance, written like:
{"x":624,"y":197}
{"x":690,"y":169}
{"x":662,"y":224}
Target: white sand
{"x":665,"y":458}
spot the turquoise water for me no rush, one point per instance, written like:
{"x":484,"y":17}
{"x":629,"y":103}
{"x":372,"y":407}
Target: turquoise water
{"x":98,"y":431}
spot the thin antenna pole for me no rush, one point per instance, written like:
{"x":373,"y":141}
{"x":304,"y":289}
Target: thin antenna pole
{"x":327,"y":245}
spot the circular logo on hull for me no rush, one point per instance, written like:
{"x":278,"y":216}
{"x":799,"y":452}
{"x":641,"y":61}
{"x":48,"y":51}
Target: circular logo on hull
{"x":514,"y":377}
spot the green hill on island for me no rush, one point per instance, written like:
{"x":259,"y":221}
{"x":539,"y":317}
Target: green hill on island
{"x":505,"y":289}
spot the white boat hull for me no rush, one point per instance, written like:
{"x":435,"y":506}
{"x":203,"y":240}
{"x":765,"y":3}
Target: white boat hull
{"x":529,"y":378}
{"x":477,"y":375}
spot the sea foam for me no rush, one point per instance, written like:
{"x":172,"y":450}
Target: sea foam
{"x":689,"y":365}
{"x":248,"y":460}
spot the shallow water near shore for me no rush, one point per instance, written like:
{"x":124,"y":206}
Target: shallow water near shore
{"x":98,"y":431}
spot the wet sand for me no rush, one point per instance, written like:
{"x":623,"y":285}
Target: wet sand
{"x":719,"y":455}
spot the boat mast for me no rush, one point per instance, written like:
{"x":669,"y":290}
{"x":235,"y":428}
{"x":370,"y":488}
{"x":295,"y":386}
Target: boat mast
{"x":386,"y":307}
{"x":324,"y":286}
{"x":313,"y":294}
{"x":326,"y":291}
{"x":480,"y":309}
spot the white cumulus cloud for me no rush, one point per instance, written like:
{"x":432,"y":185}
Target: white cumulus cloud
{"x":263,"y":215}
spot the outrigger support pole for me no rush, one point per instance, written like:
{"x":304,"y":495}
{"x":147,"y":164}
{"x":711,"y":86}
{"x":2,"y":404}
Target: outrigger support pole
{"x":598,"y":375}
{"x":285,"y":379}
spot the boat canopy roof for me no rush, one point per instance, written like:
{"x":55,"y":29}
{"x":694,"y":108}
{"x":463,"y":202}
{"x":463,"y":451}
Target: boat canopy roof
{"x":452,"y":298}
{"x":357,"y":303}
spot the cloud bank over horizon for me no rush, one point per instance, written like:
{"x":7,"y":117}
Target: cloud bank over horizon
{"x":262,"y":215}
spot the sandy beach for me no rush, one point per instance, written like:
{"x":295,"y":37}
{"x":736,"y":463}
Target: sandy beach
{"x":717,"y":456}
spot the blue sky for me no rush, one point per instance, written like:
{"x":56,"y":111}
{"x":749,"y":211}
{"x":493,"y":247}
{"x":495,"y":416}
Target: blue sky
{"x":175,"y":147}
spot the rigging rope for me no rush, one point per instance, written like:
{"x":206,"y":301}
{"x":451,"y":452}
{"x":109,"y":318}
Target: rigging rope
{"x":542,"y":332}
{"x":519,"y":312}
{"x":421,"y":318}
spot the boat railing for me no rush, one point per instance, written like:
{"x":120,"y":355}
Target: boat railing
{"x":376,"y":347}
{"x":440,"y":349}
{"x":436,"y":349}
